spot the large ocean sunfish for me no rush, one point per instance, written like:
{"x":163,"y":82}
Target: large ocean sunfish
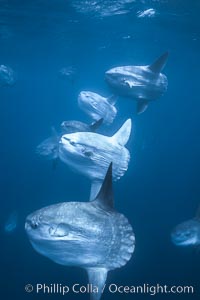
{"x":188,"y":232}
{"x":90,"y":154}
{"x":91,"y":235}
{"x":142,"y":83}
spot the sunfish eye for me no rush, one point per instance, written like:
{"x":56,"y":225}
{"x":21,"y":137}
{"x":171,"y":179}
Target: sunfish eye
{"x":70,"y":141}
{"x":34,"y":225}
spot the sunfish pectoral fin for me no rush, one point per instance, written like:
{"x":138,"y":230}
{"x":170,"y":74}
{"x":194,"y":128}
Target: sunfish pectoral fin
{"x":105,"y":197}
{"x":97,"y":278}
{"x":160,"y":63}
{"x":123,"y":134}
{"x":94,"y":126}
{"x":112,"y":99}
{"x":141,"y":106}
{"x":129,"y":83}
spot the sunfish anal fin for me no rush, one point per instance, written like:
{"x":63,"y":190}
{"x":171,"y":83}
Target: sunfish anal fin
{"x":141,"y":106}
{"x":94,"y":126}
{"x":159,"y":64}
{"x":97,"y":278}
{"x":123,"y":134}
{"x":105,"y":197}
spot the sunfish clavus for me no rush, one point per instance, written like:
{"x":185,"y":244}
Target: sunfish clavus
{"x":91,"y":235}
{"x":142,"y":83}
{"x":90,"y":154}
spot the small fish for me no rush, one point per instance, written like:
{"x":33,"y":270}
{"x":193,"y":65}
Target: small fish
{"x":188,"y":232}
{"x":49,"y":148}
{"x":90,"y":154}
{"x":7,"y":75}
{"x":11,"y":223}
{"x":91,"y":235}
{"x":142,"y":83}
{"x":97,"y":106}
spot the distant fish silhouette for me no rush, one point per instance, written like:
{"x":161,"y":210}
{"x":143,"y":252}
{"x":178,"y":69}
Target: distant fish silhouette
{"x":188,"y":232}
{"x":11,"y":223}
{"x":91,"y":235}
{"x":7,"y":75}
{"x":77,"y":126}
{"x":142,"y":83}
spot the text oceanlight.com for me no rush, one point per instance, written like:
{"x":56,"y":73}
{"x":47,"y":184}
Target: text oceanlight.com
{"x":57,"y":288}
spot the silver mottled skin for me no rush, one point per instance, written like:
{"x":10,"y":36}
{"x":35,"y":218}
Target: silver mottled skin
{"x":97,"y":106}
{"x":74,"y":126}
{"x":81,"y":234}
{"x":187,"y":233}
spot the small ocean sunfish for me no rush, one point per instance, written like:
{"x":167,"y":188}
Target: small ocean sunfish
{"x":187,"y":233}
{"x":97,"y":106}
{"x":7,"y":76}
{"x":91,"y":235}
{"x":77,"y":126}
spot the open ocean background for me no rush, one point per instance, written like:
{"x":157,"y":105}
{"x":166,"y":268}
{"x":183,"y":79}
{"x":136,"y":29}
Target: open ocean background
{"x":161,"y":187}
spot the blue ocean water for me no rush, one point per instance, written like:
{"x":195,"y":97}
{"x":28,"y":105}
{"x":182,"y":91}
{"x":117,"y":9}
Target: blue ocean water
{"x":161,"y":187}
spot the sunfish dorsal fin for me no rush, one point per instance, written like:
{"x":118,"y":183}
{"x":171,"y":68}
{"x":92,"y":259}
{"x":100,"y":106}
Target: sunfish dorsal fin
{"x":94,"y":126}
{"x":159,"y":64}
{"x":97,"y":277}
{"x":123,"y":134}
{"x":105,"y":195}
{"x":112,"y":99}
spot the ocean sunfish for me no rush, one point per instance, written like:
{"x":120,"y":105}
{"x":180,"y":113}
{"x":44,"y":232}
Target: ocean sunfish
{"x":97,"y":106}
{"x":77,"y":126}
{"x":142,"y":83}
{"x":91,"y":235}
{"x":188,"y":232}
{"x":90,"y":154}
{"x":50,"y":146}
{"x":7,"y":75}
